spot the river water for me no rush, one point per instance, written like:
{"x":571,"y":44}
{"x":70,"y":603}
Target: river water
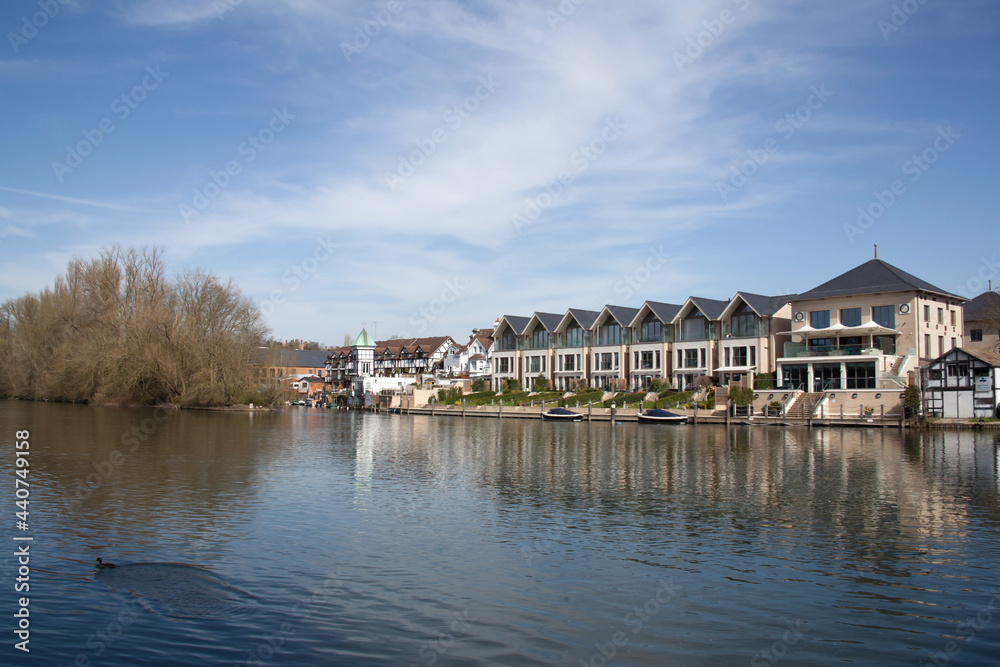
{"x":313,"y":537}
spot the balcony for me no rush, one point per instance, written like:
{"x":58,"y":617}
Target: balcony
{"x":803,"y":350}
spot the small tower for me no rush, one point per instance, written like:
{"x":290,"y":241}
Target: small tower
{"x":363,"y":354}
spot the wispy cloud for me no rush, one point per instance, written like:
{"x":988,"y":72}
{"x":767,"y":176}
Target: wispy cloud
{"x":71,"y":200}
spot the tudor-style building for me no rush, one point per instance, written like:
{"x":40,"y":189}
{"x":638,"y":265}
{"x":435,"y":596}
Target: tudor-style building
{"x":962,"y":384}
{"x":867,"y":329}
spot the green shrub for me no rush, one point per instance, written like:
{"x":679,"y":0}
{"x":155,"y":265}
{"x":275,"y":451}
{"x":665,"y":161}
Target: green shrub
{"x":741,"y":396}
{"x":764,"y":381}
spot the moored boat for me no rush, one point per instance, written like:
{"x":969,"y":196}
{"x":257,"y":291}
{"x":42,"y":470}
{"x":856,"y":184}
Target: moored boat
{"x":562,"y":414}
{"x":665,"y":416}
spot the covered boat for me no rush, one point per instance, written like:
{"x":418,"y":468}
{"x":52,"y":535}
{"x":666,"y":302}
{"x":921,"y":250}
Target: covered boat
{"x":658,"y":415}
{"x":562,"y":414}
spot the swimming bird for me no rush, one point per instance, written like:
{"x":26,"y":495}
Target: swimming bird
{"x":101,"y":565}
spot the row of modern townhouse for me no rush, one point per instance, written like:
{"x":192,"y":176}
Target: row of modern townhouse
{"x":866,"y":329}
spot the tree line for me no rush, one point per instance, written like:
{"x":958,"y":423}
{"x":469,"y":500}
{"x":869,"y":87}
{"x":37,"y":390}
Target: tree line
{"x":118,"y":328}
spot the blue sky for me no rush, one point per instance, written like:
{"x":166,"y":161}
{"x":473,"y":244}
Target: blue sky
{"x":432,"y":165}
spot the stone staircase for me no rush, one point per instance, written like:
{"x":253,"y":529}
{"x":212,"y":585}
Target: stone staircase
{"x":803,"y":405}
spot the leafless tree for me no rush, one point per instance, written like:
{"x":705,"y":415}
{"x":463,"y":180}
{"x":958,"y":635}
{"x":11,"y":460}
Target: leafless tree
{"x":117,"y":328}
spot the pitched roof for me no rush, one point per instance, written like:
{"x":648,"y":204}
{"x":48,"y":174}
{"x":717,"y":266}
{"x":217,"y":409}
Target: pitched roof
{"x":585,"y":318}
{"x":516,"y":322}
{"x":710,"y":308}
{"x":294,"y":358}
{"x":765,"y":306}
{"x":666,"y":312}
{"x":549,"y":320}
{"x":622,"y":314}
{"x":871,"y":277}
{"x":986,"y":306}
{"x":363,"y":340}
{"x":984,"y":355}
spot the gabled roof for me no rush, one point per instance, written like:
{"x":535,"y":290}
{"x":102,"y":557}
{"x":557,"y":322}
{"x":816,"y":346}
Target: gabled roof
{"x":516,"y":322}
{"x":665,"y":312}
{"x":986,"y":306}
{"x":874,"y":276}
{"x":585,"y":318}
{"x":991,"y":358}
{"x":548,"y":320}
{"x":764,"y":306}
{"x":710,"y":308}
{"x":623,"y":314}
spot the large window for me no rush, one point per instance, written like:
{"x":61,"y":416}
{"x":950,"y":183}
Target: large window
{"x":884,"y":316}
{"x":860,"y":375}
{"x":850,"y":317}
{"x":574,"y":336}
{"x":508,"y":341}
{"x":819,"y":319}
{"x":651,"y":330}
{"x":745,"y":322}
{"x":739,"y":356}
{"x":539,"y":339}
{"x":976,"y":335}
{"x":505,"y":364}
{"x":610,"y":334}
{"x":568,"y":362}
{"x":607,"y":361}
{"x":694,"y":327}
{"x":646,"y":360}
{"x":690,"y":358}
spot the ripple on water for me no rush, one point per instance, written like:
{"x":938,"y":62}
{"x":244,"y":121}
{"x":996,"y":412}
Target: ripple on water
{"x":178,"y":590}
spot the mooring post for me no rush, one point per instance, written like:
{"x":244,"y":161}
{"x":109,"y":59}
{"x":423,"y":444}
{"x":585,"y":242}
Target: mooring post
{"x":590,"y":408}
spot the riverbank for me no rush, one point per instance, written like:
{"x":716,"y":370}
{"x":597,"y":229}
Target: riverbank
{"x":700,"y":417}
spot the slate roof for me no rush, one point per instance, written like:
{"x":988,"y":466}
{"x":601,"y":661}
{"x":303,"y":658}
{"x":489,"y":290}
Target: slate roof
{"x":585,"y":318}
{"x":710,"y":308}
{"x":295,"y":358}
{"x":549,"y":320}
{"x":666,"y":312}
{"x":986,"y":306}
{"x":871,"y":277}
{"x":516,"y":322}
{"x":765,"y":306}
{"x":622,"y":314}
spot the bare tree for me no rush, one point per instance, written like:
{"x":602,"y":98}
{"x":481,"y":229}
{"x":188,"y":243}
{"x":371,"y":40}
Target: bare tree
{"x":117,"y":328}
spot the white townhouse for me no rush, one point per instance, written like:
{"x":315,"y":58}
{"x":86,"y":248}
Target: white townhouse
{"x":507,"y":349}
{"x":573,"y":336}
{"x":650,"y":336}
{"x":536,"y":351}
{"x":610,"y":346}
{"x":754,"y":329}
{"x":697,"y":327}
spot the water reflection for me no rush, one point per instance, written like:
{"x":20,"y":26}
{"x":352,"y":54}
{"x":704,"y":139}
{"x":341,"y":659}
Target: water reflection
{"x":365,"y":538}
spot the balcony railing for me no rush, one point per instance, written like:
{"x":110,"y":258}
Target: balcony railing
{"x":758,"y":331}
{"x":802,"y":350}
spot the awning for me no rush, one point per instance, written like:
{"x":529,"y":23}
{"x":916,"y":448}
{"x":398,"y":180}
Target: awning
{"x":870,"y":328}
{"x":735,"y":369}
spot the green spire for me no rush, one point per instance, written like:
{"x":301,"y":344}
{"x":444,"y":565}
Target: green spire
{"x":363,"y":340}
